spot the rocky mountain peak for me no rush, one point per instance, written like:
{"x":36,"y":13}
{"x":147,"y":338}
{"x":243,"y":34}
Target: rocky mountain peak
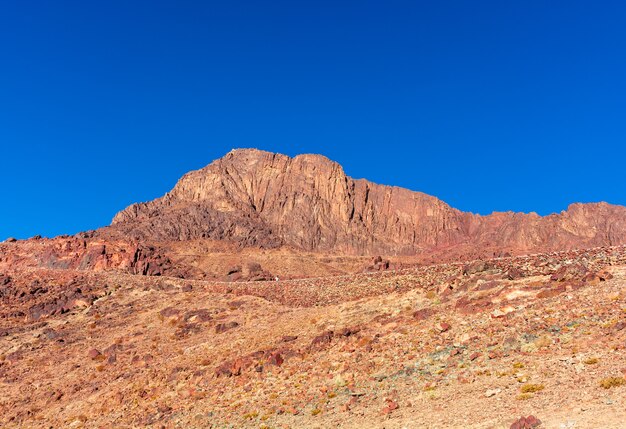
{"x":258,"y":198}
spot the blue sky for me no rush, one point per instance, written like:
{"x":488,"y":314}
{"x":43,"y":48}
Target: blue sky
{"x":487,"y":105}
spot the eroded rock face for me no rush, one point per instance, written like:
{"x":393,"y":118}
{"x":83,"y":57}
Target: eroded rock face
{"x":91,"y":253}
{"x":258,"y":198}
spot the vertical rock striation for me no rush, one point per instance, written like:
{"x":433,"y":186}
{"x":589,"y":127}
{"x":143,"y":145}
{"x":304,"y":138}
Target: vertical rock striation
{"x":259,"y":198}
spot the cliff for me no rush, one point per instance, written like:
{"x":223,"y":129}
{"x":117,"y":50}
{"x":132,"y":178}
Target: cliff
{"x":257,"y":198}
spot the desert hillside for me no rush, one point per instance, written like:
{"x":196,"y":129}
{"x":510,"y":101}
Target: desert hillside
{"x":472,"y":345}
{"x":272,"y":292}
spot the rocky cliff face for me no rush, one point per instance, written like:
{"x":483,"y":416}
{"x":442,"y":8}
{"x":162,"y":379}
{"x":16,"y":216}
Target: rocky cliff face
{"x":264,"y":199}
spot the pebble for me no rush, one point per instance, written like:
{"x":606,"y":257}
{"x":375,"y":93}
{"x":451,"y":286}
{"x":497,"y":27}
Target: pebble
{"x":492,"y":392}
{"x":444,"y":326}
{"x":94,"y":354}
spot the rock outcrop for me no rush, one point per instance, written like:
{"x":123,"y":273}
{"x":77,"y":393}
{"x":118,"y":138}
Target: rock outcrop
{"x":91,"y":254}
{"x":263,"y":199}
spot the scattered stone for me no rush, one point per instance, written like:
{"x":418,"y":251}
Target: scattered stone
{"x":378,"y":264}
{"x":423,"y":314}
{"x":529,"y":422}
{"x":444,"y":327}
{"x":223,"y":327}
{"x":275,"y":358}
{"x":514,"y":273}
{"x":348,"y":405}
{"x":347,"y":332}
{"x":492,"y":392}
{"x":322,"y":339}
{"x":94,"y":354}
{"x":390,"y":406}
{"x":575,"y":271}
{"x":289,"y":338}
{"x":552,"y":291}
{"x":475,"y":267}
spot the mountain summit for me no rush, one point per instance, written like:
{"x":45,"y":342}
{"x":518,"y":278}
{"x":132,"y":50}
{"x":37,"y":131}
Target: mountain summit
{"x":258,"y":198}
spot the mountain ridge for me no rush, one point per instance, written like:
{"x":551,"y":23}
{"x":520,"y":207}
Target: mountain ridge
{"x":265,"y":199}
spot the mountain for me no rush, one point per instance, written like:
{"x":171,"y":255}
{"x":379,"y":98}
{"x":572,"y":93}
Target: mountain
{"x":235,"y":301}
{"x":258,"y":198}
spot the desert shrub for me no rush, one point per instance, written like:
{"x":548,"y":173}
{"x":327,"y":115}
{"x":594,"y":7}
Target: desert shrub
{"x":531,"y":388}
{"x":609,"y":382}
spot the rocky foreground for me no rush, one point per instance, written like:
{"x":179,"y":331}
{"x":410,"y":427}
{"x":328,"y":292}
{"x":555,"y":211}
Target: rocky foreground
{"x":467,"y":345}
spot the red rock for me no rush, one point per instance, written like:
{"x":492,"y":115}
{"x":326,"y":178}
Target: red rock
{"x":305,"y":213}
{"x":390,"y":406}
{"x":378,"y":264}
{"x":322,"y":339}
{"x":169,"y":312}
{"x":491,"y":284}
{"x":533,"y":421}
{"x":289,"y":338}
{"x":526,"y":423}
{"x":275,"y":358}
{"x":233,"y":270}
{"x":223,"y":371}
{"x":347,"y":332}
{"x":553,"y":291}
{"x":475,"y":267}
{"x":223,"y":327}
{"x":110,"y":353}
{"x":423,"y":314}
{"x":95,"y":354}
{"x":466,"y":305}
{"x":444,"y":327}
{"x":348,"y":405}
{"x":514,"y":273}
{"x":604,"y":275}
{"x":575,"y":271}
{"x":474,"y":356}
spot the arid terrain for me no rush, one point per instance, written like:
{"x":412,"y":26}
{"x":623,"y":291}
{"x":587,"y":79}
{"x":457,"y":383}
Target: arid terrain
{"x":253,"y":295}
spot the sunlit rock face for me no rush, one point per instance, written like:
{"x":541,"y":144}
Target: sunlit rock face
{"x":259,"y":198}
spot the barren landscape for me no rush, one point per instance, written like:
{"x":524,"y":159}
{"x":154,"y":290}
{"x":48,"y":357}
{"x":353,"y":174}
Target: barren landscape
{"x":273,"y":292}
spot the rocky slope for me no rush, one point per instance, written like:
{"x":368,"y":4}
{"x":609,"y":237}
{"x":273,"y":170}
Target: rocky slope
{"x":472,"y":345}
{"x":264,"y":199}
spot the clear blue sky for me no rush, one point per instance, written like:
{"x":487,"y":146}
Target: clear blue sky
{"x":502,"y":105}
